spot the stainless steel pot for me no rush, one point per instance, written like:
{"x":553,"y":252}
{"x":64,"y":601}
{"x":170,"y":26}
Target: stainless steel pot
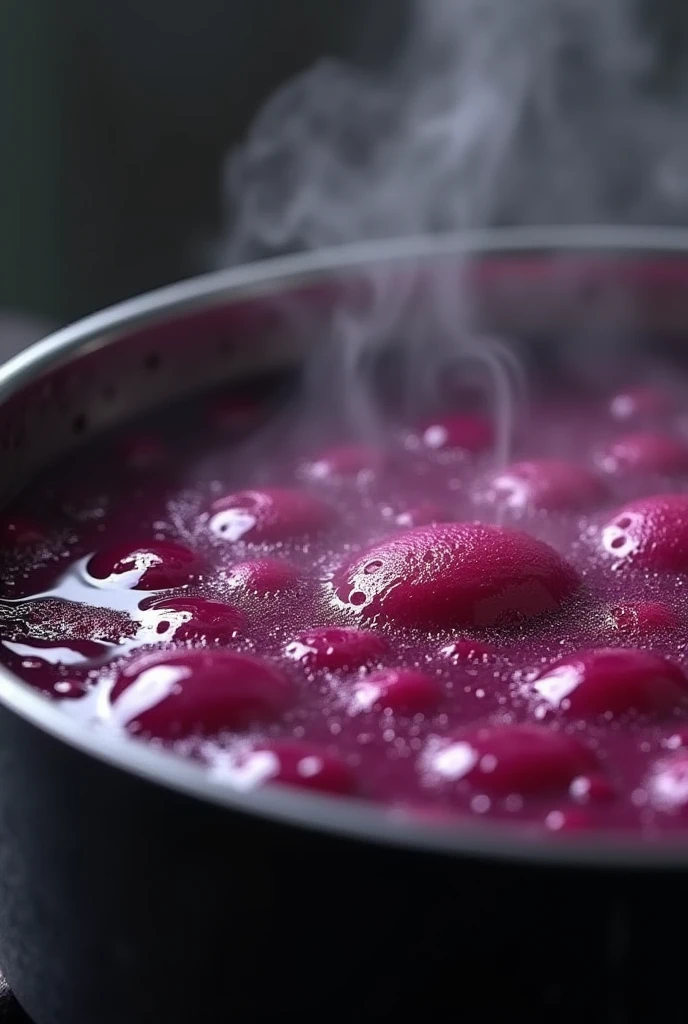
{"x":134,"y":888}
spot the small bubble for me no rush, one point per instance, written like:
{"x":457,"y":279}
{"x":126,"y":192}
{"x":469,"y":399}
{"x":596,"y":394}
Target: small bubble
{"x":555,"y":820}
{"x":372,"y":567}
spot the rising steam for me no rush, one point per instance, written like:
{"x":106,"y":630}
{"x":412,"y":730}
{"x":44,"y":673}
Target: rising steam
{"x":495,"y":112}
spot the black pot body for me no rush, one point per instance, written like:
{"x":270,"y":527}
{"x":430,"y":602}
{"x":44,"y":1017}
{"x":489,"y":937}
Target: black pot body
{"x":123,"y":901}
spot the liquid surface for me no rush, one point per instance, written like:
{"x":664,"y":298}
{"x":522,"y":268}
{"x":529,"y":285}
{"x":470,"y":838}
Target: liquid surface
{"x":404,"y":622}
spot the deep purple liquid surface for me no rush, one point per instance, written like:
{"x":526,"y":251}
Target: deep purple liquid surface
{"x":396,"y":714}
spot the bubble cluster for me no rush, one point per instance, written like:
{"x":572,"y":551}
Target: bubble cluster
{"x":371,"y":620}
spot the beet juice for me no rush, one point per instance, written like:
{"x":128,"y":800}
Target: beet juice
{"x":405,"y":621}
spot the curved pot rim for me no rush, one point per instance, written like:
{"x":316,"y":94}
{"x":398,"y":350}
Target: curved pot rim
{"x":346,"y":817}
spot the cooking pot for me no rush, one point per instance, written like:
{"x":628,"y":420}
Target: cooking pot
{"x":134,"y":888}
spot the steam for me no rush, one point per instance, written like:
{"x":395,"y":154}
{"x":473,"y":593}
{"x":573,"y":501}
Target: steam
{"x":495,"y":112}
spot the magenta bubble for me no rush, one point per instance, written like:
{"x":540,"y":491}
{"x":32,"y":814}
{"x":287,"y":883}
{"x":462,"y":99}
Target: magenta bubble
{"x":155,"y":565}
{"x":264,"y":577}
{"x":642,"y":619}
{"x":269,"y":515}
{"x":175,"y":694}
{"x":612,"y":682}
{"x":195,"y":618}
{"x":402,"y":690}
{"x":651,"y":533}
{"x":468,"y":433}
{"x":304,"y":765}
{"x":656,"y":454}
{"x":545,"y":485}
{"x":457,"y":574}
{"x":336,"y":647}
{"x":511,"y":759}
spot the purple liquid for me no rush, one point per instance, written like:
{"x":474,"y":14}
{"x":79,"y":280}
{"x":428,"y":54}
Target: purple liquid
{"x":305,"y":620}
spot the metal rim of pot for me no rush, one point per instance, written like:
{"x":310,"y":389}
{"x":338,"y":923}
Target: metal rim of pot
{"x":348,"y":817}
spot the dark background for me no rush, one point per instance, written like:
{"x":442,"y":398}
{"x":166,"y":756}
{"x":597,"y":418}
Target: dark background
{"x":115,"y":116}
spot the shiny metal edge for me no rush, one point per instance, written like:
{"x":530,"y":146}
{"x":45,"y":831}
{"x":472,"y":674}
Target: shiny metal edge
{"x":346,"y":817}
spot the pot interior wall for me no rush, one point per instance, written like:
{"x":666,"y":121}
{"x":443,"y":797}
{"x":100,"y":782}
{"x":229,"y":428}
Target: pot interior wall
{"x":550,"y":304}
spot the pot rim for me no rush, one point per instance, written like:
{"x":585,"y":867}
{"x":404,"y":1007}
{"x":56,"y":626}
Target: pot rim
{"x":345,"y":817}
